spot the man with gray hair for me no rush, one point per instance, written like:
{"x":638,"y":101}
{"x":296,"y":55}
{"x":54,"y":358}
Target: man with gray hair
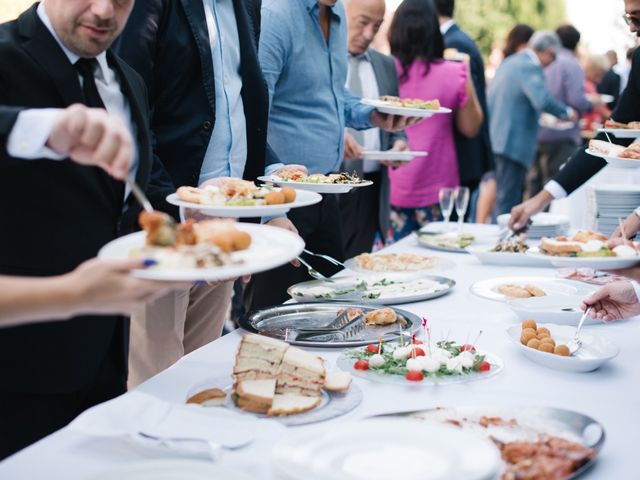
{"x":517,"y":96}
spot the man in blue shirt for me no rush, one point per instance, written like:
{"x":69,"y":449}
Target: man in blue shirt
{"x":303,"y":54}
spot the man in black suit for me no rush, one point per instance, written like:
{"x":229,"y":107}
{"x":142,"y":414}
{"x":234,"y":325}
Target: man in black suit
{"x":210,"y":111}
{"x":582,"y":166}
{"x":475,"y":155}
{"x":610,"y":84}
{"x":58,"y":55}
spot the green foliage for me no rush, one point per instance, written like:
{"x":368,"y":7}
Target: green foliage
{"x":489,"y":21}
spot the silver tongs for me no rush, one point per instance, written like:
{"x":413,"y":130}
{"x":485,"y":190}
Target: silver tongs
{"x":507,"y":234}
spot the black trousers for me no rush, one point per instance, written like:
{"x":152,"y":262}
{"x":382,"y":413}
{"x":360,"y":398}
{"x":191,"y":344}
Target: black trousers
{"x":320,"y":227}
{"x":27,"y":417}
{"x":360,"y":209}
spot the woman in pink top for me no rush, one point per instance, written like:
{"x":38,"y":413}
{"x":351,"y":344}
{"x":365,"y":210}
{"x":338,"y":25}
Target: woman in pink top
{"x":417,"y":44}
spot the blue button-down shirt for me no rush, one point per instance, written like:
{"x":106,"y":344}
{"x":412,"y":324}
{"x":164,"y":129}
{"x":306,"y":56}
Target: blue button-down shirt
{"x":227,"y":151}
{"x":306,"y":76}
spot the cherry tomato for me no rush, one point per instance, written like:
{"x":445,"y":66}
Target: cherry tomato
{"x":467,"y":348}
{"x":414,"y":376}
{"x":419,"y":352}
{"x":372,"y":349}
{"x":361,"y":365}
{"x":484,"y":366}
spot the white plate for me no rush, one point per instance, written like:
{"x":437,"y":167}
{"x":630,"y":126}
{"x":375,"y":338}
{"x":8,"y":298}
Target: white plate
{"x":270,"y":248}
{"x":391,"y":155}
{"x":172,"y":470}
{"x":314,"y":187}
{"x":621,"y":132}
{"x":597,"y":263}
{"x":443,"y":264}
{"x":616,"y":162}
{"x":540,"y":220}
{"x":553,"y":287}
{"x":382,"y":106}
{"x":385,"y":448}
{"x":617,"y":189}
{"x":562,"y":310}
{"x":346,"y":362}
{"x":595,"y":351}
{"x":303,"y":199}
{"x":554,"y":123}
{"x":507,"y":259}
{"x":430,"y":240}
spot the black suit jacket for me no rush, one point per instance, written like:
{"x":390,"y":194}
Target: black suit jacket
{"x":582,"y":166}
{"x":57,"y":214}
{"x":610,"y":85}
{"x":167,"y":42}
{"x":475,"y":155}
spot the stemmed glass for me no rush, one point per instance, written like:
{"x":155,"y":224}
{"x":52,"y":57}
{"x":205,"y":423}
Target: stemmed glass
{"x":462,"y":203}
{"x":446,"y":196}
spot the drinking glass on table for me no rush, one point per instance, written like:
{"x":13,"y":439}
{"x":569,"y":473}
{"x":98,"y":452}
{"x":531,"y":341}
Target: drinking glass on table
{"x":446,"y":196}
{"x":462,"y":203}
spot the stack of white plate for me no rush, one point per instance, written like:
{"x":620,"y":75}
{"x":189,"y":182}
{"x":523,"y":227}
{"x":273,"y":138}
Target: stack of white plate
{"x":544,"y":225}
{"x":615,"y":202}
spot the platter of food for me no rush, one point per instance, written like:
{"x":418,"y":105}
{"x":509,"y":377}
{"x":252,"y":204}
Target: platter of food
{"x":272,"y":379}
{"x":331,"y":324}
{"x":616,"y":155}
{"x":317,"y":182}
{"x":534,"y":442}
{"x":397,"y":262}
{"x":446,"y":242}
{"x":375,"y":289}
{"x":622,"y":130}
{"x":208,"y":251}
{"x":510,"y":252}
{"x":385,"y":448}
{"x":586,"y":249}
{"x":563,"y":310}
{"x":238,"y":198}
{"x":391,"y":155}
{"x":407,"y":107}
{"x":441,"y":363}
{"x":546,"y":344}
{"x":503,"y":289}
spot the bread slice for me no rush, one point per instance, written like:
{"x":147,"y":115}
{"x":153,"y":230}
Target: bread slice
{"x":605,"y":148}
{"x":563,"y":248}
{"x":291,"y":404}
{"x":212,"y":397}
{"x":255,"y":395}
{"x":258,"y":357}
{"x":337,"y":381}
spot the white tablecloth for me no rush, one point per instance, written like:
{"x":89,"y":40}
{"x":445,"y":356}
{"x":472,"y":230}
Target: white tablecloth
{"x":611,"y":395}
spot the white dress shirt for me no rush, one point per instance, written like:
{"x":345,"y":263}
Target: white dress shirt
{"x":29,"y":135}
{"x":444,"y":28}
{"x":369,"y":90}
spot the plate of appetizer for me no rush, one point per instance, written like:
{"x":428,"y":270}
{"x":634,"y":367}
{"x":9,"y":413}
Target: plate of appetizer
{"x":208,"y":251}
{"x":242,"y":199}
{"x":563,"y":310}
{"x":503,"y":289}
{"x":331,"y":324}
{"x":534,"y":442}
{"x":586,"y":249}
{"x":385,"y":448}
{"x":397,"y":262}
{"x":407,"y":107}
{"x":622,"y":130}
{"x":446,"y":242}
{"x":272,"y":379}
{"x":391,"y":155}
{"x":547,"y":345}
{"x":375,"y":289}
{"x":510,"y":252}
{"x":441,"y":363}
{"x":616,"y":155}
{"x":317,"y":182}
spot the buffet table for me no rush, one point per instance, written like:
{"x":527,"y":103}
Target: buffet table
{"x":610,"y":395}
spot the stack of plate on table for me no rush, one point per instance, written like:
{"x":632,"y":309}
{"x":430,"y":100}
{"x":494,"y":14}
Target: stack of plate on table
{"x":544,"y":225}
{"x":615,"y":202}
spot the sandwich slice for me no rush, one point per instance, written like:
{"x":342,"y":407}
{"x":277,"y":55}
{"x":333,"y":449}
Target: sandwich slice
{"x":337,"y":381}
{"x":300,"y":373}
{"x":255,"y":395}
{"x":560,"y":247}
{"x":258,"y":357}
{"x":291,"y":404}
{"x":605,"y":148}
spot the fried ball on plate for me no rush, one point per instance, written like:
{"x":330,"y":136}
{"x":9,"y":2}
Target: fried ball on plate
{"x":546,"y":347}
{"x":530,"y":324}
{"x":562,"y":350}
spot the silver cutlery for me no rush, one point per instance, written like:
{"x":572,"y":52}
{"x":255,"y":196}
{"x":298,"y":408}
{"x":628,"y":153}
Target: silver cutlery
{"x":575,"y":344}
{"x":138,"y":193}
{"x":312,"y":271}
{"x":325,"y":257}
{"x":343,"y":321}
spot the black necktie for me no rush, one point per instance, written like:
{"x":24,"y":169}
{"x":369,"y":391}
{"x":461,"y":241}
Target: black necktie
{"x":86,"y":68}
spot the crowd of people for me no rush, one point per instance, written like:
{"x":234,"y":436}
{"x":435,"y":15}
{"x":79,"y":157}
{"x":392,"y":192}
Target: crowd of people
{"x":191,"y":93}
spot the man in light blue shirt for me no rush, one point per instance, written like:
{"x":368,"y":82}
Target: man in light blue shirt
{"x":303,"y":54}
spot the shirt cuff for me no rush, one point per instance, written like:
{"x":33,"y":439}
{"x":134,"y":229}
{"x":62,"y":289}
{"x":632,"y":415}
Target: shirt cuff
{"x":636,"y":288}
{"x":555,"y":189}
{"x":30,"y":133}
{"x":361,"y":117}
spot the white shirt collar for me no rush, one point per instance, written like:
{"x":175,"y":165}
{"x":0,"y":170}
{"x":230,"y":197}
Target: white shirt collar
{"x":73,"y":58}
{"x":534,"y":57}
{"x":444,"y":28}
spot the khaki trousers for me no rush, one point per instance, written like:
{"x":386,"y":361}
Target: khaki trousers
{"x":174,"y":325}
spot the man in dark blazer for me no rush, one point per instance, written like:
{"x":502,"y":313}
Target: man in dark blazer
{"x":475,"y":155}
{"x":366,"y":211}
{"x":610,"y":84}
{"x":210,"y":107}
{"x":582,"y":166}
{"x":57,"y":214}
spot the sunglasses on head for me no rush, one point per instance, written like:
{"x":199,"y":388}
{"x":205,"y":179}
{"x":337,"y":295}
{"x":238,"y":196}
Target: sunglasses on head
{"x":631,"y":20}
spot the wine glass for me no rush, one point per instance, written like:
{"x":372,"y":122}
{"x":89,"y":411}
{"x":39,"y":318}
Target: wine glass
{"x":446,"y":196}
{"x":462,"y":203}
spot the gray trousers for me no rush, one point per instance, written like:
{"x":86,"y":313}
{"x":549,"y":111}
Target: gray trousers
{"x":510,"y":177}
